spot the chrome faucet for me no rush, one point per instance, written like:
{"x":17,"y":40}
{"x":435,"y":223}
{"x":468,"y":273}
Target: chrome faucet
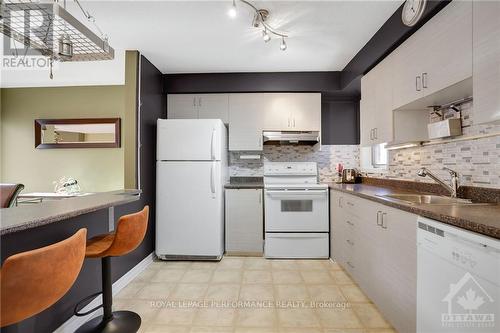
{"x":452,"y":188}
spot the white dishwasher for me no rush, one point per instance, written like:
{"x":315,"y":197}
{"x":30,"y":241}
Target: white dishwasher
{"x":458,"y":280}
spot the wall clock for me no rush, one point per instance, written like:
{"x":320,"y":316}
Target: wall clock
{"x":412,"y":11}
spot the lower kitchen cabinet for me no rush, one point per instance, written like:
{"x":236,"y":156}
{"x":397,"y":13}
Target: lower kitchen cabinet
{"x":376,"y":245}
{"x":244,"y":221}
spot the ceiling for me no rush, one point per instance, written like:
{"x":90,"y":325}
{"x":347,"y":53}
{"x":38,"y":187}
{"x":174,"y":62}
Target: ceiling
{"x":199,"y":36}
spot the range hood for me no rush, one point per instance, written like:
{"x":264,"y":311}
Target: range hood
{"x":291,"y":137}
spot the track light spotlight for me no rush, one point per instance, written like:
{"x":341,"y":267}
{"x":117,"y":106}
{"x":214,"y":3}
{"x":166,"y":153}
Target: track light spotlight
{"x":283,"y":44}
{"x":232,"y":12}
{"x":265,"y":36}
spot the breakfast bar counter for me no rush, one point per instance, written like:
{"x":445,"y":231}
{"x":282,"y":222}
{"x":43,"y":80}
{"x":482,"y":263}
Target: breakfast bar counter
{"x":26,"y":216}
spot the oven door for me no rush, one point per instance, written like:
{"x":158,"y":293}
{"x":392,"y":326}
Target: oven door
{"x":296,"y":210}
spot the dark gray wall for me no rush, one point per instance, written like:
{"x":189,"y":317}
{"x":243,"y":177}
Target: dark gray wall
{"x":392,"y":34}
{"x":252,"y":82}
{"x":339,"y":122}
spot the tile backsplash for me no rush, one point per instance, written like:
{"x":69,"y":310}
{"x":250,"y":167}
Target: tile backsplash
{"x":477,"y":161}
{"x":326,"y":157}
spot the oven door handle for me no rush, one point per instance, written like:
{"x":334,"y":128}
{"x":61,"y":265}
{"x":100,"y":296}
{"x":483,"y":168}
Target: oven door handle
{"x":282,"y":193}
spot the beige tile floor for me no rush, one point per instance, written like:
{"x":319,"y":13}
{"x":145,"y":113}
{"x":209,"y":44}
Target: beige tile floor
{"x":250,"y":295}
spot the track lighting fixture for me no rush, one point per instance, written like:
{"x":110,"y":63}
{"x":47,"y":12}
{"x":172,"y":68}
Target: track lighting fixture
{"x":259,"y":21}
{"x":283,"y":44}
{"x":232,"y":12}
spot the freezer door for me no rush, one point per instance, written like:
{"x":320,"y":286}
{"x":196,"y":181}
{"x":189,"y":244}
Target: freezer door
{"x":189,"y":209}
{"x":190,"y":139}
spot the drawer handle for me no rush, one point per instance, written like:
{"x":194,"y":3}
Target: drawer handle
{"x":350,"y":242}
{"x":350,"y":203}
{"x":350,"y":223}
{"x":379,"y":223}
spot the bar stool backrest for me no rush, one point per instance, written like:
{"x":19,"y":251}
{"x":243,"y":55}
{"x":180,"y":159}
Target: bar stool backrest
{"x":129,"y":234}
{"x":32,"y":281}
{"x":9,"y":193}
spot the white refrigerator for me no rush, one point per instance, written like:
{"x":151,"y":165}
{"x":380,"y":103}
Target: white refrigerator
{"x":191,"y":171}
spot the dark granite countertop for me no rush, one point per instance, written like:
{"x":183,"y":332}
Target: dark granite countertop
{"x":480,"y":218}
{"x":28,"y":216}
{"x":245,"y":182}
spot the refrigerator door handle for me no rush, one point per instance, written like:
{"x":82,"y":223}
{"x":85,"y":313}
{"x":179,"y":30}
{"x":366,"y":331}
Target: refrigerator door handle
{"x":212,"y":154}
{"x":212,"y":180}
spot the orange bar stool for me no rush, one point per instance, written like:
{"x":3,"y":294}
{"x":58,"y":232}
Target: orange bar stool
{"x":33,"y":281}
{"x":129,"y":234}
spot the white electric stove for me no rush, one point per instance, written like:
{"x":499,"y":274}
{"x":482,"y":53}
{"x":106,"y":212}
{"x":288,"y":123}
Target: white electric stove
{"x":296,"y":211}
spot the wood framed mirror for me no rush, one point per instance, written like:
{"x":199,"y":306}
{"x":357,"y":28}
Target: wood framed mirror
{"x":77,"y":133}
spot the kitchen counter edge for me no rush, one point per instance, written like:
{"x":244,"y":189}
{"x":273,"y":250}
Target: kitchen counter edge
{"x":25,"y":217}
{"x":476,"y":218}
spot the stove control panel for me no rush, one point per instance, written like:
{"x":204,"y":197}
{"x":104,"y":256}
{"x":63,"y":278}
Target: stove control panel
{"x":290,"y":169}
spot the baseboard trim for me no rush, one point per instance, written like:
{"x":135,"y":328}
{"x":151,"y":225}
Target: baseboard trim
{"x":73,"y":323}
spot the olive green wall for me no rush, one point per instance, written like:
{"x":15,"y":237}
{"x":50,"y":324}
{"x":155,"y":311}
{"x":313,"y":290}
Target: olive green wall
{"x":96,"y":169}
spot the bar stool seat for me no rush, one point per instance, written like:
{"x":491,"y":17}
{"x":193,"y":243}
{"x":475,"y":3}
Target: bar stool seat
{"x":98,"y":244}
{"x":32,"y":281}
{"x":129,"y":234}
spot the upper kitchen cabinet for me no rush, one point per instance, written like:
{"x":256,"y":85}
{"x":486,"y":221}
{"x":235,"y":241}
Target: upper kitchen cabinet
{"x":376,"y":104}
{"x":250,"y":114}
{"x":200,"y":106}
{"x":292,"y":111}
{"x":246,"y":121}
{"x":214,"y":106}
{"x":423,"y":65}
{"x":182,"y":107}
{"x":486,"y":61}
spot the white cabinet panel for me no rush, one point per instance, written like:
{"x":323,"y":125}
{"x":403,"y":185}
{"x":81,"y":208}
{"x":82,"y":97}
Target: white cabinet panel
{"x":244,"y":221}
{"x":376,"y":244}
{"x":446,"y":47}
{"x":245,"y":121}
{"x":336,"y":228}
{"x":198,"y":106}
{"x":486,"y":61}
{"x":436,"y":57}
{"x":376,"y":104}
{"x":292,"y":111}
{"x":306,"y":111}
{"x":213,"y":106}
{"x":182,"y":106}
{"x":408,"y":69}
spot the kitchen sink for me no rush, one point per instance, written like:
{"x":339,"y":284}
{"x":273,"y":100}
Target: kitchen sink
{"x":428,"y":199}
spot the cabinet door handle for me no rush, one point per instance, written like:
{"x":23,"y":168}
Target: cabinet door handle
{"x":293,"y":122}
{"x":384,"y":224}
{"x":340,"y":202}
{"x":194,"y":101}
{"x":379,"y":223}
{"x":350,"y":242}
{"x":350,"y":223}
{"x":417,"y":83}
{"x":371,"y":134}
{"x":375,"y":133}
{"x":288,"y":122}
{"x":424,"y":80}
{"x":199,"y":102}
